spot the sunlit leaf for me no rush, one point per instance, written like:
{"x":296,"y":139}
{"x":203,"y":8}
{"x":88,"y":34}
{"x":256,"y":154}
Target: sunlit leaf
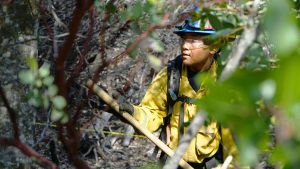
{"x":26,"y":76}
{"x":56,"y":114}
{"x":59,"y":102}
{"x":52,"y":90}
{"x":44,"y":70}
{"x":32,"y":63}
{"x":152,"y":2}
{"x":156,"y":46}
{"x":267,"y":89}
{"x":64,"y":119}
{"x":38,"y":83}
{"x":48,"y":80}
{"x":156,"y":62}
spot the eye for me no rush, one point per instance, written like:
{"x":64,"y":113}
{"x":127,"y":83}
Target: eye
{"x":198,"y":42}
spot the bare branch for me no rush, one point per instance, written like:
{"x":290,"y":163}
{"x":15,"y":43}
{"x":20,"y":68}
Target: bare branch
{"x":25,"y":149}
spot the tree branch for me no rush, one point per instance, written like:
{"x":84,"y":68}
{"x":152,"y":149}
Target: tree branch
{"x":12,"y":114}
{"x":28,"y":151}
{"x":15,"y":142}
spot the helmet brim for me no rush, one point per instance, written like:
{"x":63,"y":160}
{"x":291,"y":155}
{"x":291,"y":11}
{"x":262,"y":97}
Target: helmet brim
{"x":200,"y":32}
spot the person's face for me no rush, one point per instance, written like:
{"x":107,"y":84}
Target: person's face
{"x":195,"y":53}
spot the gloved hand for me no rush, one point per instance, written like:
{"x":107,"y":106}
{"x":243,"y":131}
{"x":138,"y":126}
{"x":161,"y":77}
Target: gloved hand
{"x":124,"y":105}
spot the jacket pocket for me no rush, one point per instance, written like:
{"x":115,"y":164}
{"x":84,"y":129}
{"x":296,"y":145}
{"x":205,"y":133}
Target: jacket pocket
{"x":207,"y":144}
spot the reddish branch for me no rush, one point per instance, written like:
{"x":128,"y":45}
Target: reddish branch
{"x":71,"y":140}
{"x":100,"y":68}
{"x":66,"y":48}
{"x":82,"y":60}
{"x":15,"y":142}
{"x":102,"y":45}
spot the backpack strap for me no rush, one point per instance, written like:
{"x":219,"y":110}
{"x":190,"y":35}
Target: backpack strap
{"x":173,"y":81}
{"x":174,"y":73}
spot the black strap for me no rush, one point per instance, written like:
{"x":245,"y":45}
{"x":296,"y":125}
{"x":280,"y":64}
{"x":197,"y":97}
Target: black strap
{"x":173,"y":72}
{"x":181,"y":120}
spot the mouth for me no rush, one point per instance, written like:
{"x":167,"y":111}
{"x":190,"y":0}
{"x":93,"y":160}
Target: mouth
{"x":185,"y":56}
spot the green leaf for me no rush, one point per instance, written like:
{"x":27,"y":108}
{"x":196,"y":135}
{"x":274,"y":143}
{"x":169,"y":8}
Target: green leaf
{"x":26,"y":77}
{"x":32,"y":63}
{"x":215,"y":22}
{"x":38,"y":83}
{"x":110,"y":7}
{"x":133,"y":53}
{"x":59,"y":102}
{"x":155,"y":61}
{"x":56,"y":114}
{"x":35,"y":101}
{"x":157,"y":46}
{"x":288,"y":92}
{"x":35,"y":97}
{"x":267,"y":89}
{"x":288,"y":39}
{"x":137,"y":10}
{"x":52,"y":90}
{"x":64,"y":119}
{"x":249,"y":155}
{"x":123,"y":15}
{"x":48,"y":80}
{"x":44,"y":70}
{"x":152,"y":2}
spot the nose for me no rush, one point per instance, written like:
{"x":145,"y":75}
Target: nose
{"x":186,"y":45}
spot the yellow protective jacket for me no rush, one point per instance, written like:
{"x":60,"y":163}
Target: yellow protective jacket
{"x":153,"y":108}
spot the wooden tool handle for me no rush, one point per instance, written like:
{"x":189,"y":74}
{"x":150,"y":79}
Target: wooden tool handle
{"x":113,"y":104}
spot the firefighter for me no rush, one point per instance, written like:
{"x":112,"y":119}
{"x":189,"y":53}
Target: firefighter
{"x":163,"y":104}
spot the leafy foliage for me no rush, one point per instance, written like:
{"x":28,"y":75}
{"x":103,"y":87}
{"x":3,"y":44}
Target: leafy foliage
{"x":42,"y":91}
{"x":262,"y":95}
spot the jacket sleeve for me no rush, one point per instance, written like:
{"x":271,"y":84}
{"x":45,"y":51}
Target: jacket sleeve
{"x":151,"y":111}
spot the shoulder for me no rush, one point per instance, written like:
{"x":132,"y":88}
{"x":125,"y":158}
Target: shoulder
{"x":162,"y":74}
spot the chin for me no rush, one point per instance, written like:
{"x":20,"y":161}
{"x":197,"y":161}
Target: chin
{"x":186,"y":62}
